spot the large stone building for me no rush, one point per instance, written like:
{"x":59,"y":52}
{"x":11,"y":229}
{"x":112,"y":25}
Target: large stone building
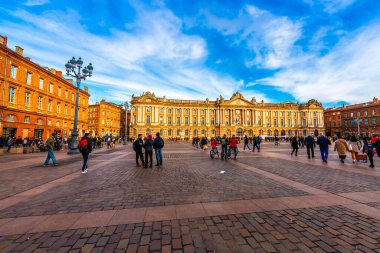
{"x":106,"y":119}
{"x":343,"y":121}
{"x":36,"y":101}
{"x":188,"y":118}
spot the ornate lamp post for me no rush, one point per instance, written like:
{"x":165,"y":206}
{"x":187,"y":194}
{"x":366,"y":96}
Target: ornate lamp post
{"x":358,"y":120}
{"x":74,"y":69}
{"x":126,"y":123}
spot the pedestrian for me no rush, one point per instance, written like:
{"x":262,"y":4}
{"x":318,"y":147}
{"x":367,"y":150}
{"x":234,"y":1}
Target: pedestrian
{"x":354,"y":147}
{"x":224,"y":142}
{"x":85,"y":148}
{"x":148,"y":146}
{"x":294,"y":144}
{"x":375,"y":140}
{"x":370,"y":150}
{"x":50,"y":149}
{"x":18,"y":142}
{"x":233,"y":145}
{"x":158,"y":145}
{"x":256,"y":143}
{"x":323,"y":143}
{"x":310,"y":145}
{"x":137,"y":147}
{"x":246,"y":141}
{"x":342,"y":147}
{"x":9,"y":143}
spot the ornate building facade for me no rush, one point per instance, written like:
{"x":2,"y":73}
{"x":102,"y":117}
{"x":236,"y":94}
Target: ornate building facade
{"x":36,"y":101}
{"x":237,"y":116}
{"x":106,"y":118}
{"x":363,"y":118}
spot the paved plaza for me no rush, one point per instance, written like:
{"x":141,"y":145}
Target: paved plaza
{"x":263,"y":202}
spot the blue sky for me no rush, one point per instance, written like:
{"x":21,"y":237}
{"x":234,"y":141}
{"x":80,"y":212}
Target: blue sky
{"x":273,"y":50}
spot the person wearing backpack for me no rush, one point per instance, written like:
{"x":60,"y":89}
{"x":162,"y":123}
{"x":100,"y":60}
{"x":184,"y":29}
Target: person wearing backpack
{"x":137,"y":147}
{"x":369,"y":149}
{"x":148,"y":146}
{"x":85,"y":148}
{"x":158,"y":145}
{"x":224,"y":142}
{"x":50,"y":148}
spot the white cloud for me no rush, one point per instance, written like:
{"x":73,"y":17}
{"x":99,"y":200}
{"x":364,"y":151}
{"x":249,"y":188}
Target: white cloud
{"x":151,"y":54}
{"x":271,"y":39}
{"x":349,"y":72}
{"x":36,"y":2}
{"x":331,"y":6}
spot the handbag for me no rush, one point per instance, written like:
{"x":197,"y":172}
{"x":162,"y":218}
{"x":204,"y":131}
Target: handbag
{"x":350,"y":147}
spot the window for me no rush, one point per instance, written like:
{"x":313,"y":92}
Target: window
{"x":51,"y":88}
{"x":161,"y":132}
{"x":351,"y":114}
{"x":41,"y":84}
{"x":365,"y":113}
{"x":259,"y":122}
{"x":203,"y":111}
{"x":194,"y":111}
{"x":282,"y":122}
{"x":39,"y":121}
{"x":314,"y":113}
{"x":374,"y":121}
{"x":26,"y":119}
{"x":187,"y":132}
{"x":49,"y":122}
{"x":288,"y":122}
{"x":373,"y":112}
{"x":213,"y":112}
{"x":162,"y":110}
{"x":352,"y":122}
{"x":186,"y":121}
{"x":170,"y":110}
{"x":39,"y":103}
{"x":66,"y":94}
{"x":148,"y":109}
{"x":366,"y":122}
{"x":227,"y":121}
{"x":358,"y":114}
{"x":178,"y":121}
{"x":72,"y":97}
{"x":58,"y":107}
{"x":275,"y":122}
{"x":203,"y":121}
{"x":212,"y":121}
{"x":161,"y":120}
{"x":186,"y":111}
{"x":178,"y":132}
{"x":303,"y":122}
{"x":72,"y":111}
{"x":194,"y":120}
{"x":28,"y":78}
{"x":148,"y":119}
{"x":27,"y":99}
{"x":10,"y":117}
{"x":13,"y":71}
{"x":178,"y":111}
{"x":12,"y":96}
{"x":50,"y":106}
{"x":303,"y":114}
{"x":102,"y":121}
{"x":59,"y":91}
{"x":315,"y":123}
{"x":170,"y":132}
{"x":170,"y":120}
{"x":66,"y":110}
{"x":57,"y":123}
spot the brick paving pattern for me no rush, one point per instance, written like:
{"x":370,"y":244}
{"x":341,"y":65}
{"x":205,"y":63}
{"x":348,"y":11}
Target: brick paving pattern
{"x":328,"y":229}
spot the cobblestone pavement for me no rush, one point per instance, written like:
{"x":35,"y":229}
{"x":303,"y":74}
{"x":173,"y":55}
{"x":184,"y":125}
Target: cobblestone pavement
{"x":265,"y":202}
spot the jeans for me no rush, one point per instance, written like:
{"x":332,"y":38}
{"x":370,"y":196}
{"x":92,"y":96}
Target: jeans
{"x":224,"y":151}
{"x":52,"y":156}
{"x":158,"y":152}
{"x":85,"y":156}
{"x":256,"y":145}
{"x":148,"y":154}
{"x":139,"y":154}
{"x":324,"y":154}
{"x":235,"y":152}
{"x":246,"y":145}
{"x":310,"y":148}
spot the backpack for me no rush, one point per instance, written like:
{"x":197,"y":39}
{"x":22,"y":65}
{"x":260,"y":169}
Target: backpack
{"x":82,"y":145}
{"x":134,"y":145}
{"x":160,"y":143}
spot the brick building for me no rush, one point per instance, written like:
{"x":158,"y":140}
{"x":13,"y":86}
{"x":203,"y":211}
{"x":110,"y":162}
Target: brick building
{"x":344,"y":120}
{"x":35,"y":100}
{"x":106,"y":118}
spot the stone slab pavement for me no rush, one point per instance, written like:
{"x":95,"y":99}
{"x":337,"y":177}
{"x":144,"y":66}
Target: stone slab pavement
{"x":263,"y":202}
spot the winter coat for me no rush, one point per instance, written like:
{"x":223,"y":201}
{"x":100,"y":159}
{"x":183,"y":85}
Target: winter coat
{"x":341,"y":146}
{"x":148,"y":145}
{"x":356,"y":146}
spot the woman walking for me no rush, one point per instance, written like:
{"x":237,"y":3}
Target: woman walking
{"x":342,"y":147}
{"x":294,"y":144}
{"x":354,"y":147}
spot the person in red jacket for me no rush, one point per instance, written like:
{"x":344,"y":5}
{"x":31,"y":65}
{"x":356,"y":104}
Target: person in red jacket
{"x":214,"y":146}
{"x":233,"y":145}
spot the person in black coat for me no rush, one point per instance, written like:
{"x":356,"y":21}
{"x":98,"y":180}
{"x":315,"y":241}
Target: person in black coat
{"x":294,"y":144}
{"x":310,"y":144}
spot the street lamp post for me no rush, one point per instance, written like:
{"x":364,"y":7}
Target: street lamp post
{"x":358,"y":122}
{"x":126,"y":123}
{"x":74,"y":69}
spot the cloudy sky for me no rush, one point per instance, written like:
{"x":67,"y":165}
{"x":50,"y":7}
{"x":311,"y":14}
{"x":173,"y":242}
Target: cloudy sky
{"x":274,"y":50}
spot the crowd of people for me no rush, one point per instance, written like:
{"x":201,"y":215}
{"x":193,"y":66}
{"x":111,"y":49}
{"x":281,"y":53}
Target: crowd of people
{"x":148,"y":145}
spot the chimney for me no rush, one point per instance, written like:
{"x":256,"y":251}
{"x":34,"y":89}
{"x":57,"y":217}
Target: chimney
{"x":3,"y":40}
{"x":19,"y":50}
{"x":59,"y":73}
{"x":86,"y":89}
{"x":53,"y":71}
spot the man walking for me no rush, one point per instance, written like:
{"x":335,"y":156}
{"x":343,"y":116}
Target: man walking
{"x":310,"y":144}
{"x":148,"y":146}
{"x":158,"y":145}
{"x":233,"y":145}
{"x":294,"y":143}
{"x":137,"y":147}
{"x":9,"y":143}
{"x":256,"y":143}
{"x":85,"y":148}
{"x":323,"y":143}
{"x":224,"y":142}
{"x":246,"y":141}
{"x":50,"y":147}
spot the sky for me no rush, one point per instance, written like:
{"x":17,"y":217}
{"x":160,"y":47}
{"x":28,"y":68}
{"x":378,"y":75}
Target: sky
{"x":273,"y":50}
